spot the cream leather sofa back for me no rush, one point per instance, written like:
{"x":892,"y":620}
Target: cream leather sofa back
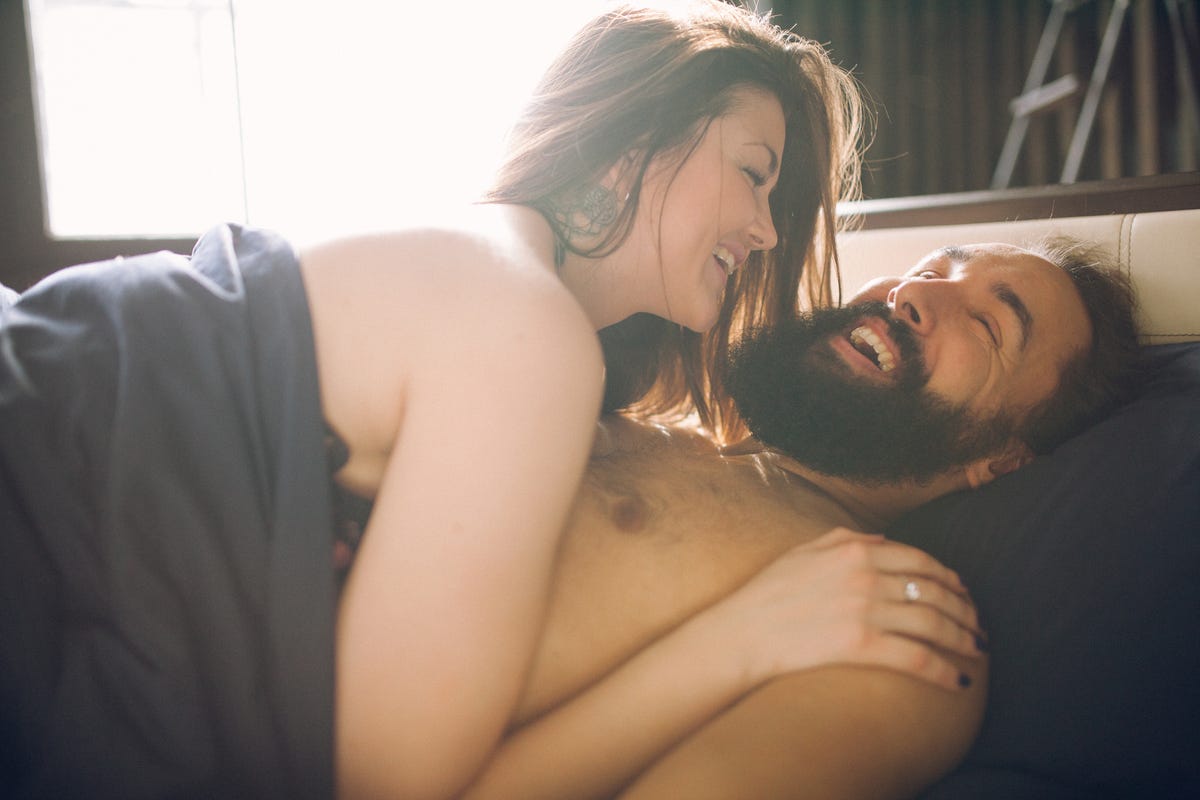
{"x":1159,"y":250}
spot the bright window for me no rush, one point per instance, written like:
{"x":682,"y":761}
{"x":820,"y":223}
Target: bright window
{"x":163,"y":117}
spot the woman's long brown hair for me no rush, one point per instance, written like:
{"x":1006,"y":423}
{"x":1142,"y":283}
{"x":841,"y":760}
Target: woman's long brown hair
{"x":643,"y":82}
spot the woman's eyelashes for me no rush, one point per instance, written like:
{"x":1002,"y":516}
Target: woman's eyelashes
{"x":757,"y":178}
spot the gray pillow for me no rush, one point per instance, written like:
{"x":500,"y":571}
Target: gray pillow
{"x":1085,"y":566}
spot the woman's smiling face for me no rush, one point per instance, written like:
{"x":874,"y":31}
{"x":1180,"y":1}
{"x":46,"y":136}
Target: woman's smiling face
{"x":701,"y":218}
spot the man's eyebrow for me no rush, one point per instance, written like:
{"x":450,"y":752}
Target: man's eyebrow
{"x":1006,"y":295}
{"x":956,"y":254}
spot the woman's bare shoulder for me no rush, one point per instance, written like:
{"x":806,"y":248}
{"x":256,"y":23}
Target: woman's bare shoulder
{"x":490,"y":244}
{"x":488,"y":269}
{"x":443,"y":307}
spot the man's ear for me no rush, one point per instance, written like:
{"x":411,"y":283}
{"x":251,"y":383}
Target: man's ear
{"x":984,"y":470}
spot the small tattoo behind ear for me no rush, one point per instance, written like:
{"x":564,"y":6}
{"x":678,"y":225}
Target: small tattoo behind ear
{"x":587,"y":214}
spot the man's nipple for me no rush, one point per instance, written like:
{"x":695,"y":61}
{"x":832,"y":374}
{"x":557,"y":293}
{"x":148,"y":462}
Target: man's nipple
{"x":629,"y":514}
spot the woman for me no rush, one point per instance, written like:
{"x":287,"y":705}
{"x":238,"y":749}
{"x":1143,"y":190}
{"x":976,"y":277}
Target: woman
{"x":638,"y":87}
{"x":167,"y":579}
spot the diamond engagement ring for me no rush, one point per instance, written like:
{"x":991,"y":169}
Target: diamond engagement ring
{"x":912,"y":592}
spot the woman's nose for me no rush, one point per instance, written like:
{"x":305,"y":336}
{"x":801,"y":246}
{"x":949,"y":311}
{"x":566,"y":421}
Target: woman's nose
{"x":762,"y":233}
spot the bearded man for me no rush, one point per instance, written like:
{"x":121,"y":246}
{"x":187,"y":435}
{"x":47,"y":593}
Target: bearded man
{"x":709,"y":636}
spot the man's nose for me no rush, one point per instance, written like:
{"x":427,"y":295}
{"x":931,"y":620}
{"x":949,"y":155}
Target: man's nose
{"x":920,"y":303}
{"x":875,"y":291}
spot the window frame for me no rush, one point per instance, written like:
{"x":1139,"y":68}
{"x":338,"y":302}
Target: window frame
{"x":27,"y":251}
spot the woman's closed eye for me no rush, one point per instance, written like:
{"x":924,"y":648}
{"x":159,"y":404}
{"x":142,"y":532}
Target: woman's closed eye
{"x":757,"y":178}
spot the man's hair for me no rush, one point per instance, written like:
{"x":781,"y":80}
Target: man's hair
{"x":1099,"y":378}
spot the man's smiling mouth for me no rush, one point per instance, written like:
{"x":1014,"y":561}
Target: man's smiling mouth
{"x":867,"y":342}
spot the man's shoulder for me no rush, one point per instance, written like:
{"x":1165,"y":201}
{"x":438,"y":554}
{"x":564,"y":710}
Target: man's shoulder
{"x":621,"y":435}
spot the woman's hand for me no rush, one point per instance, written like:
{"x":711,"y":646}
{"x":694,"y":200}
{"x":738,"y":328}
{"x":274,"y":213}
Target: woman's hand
{"x":851,"y":598}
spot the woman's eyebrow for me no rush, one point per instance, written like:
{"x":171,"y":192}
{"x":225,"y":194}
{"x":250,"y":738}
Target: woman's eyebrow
{"x":774,"y":163}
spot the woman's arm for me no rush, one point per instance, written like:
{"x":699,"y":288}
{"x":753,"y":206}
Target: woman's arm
{"x":830,"y":601}
{"x":500,"y":380}
{"x":831,"y":733}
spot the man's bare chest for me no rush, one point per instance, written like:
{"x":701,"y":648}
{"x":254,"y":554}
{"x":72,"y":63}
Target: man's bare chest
{"x":656,"y":535}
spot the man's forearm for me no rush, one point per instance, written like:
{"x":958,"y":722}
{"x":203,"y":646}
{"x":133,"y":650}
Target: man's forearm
{"x":837,"y":732}
{"x":598,"y":741}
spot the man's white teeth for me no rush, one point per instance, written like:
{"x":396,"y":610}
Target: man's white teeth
{"x":864,"y":335}
{"x":726,"y":258}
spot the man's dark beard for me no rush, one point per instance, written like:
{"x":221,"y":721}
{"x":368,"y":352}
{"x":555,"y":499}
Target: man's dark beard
{"x":798,"y":397}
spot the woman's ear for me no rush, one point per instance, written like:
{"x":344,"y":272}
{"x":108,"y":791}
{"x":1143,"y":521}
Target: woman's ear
{"x":985,"y":470}
{"x":620,"y":175}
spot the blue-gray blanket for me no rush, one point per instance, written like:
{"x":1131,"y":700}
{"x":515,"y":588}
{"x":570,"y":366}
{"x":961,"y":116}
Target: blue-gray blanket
{"x":166,"y":595}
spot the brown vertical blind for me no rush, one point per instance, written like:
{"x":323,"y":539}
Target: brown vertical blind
{"x":941,"y":75}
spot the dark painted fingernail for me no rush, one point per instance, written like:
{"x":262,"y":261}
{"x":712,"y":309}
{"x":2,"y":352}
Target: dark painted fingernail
{"x":964,"y":680}
{"x":981,"y":643}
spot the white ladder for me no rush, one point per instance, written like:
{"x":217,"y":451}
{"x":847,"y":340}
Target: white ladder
{"x":1038,"y":96}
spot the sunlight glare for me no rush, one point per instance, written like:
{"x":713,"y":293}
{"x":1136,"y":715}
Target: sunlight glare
{"x":332,"y":117}
{"x":372,"y":113}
